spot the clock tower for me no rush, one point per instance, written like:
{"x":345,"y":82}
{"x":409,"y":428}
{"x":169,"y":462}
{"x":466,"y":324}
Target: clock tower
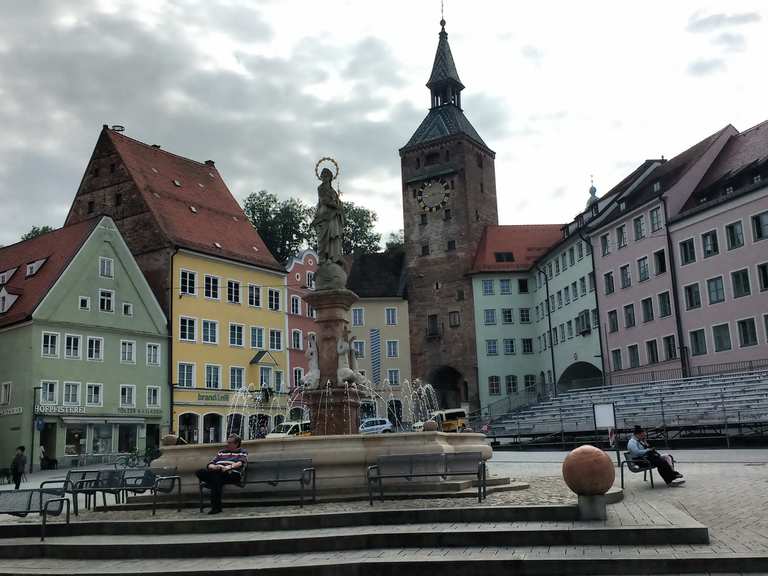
{"x":449,"y":197}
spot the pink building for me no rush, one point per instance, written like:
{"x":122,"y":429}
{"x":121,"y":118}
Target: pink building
{"x":301,"y":317}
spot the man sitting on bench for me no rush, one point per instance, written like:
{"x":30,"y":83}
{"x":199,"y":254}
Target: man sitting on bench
{"x":227,"y":467}
{"x":639,"y":448}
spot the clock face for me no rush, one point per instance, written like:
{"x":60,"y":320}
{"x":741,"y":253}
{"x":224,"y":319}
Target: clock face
{"x":433,"y":195}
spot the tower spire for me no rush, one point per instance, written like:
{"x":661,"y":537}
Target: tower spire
{"x":444,"y":83}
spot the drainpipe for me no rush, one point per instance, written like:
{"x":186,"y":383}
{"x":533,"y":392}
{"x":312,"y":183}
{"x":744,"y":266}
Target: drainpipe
{"x":549,"y":334}
{"x":675,"y":297}
{"x":597,"y":301}
{"x":170,"y":344}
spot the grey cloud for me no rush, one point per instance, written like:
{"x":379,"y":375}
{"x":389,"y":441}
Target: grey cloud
{"x":730,"y":41}
{"x":705,"y":67}
{"x":713,"y":22}
{"x":558,"y":192}
{"x":488,"y":114}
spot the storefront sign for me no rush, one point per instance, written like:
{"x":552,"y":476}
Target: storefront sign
{"x":11,"y":411}
{"x":53,"y":409}
{"x":212,"y":397}
{"x":141,"y":411}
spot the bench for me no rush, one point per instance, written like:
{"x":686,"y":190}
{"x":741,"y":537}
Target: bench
{"x":153,"y":480}
{"x":436,"y":465}
{"x":636,"y":465}
{"x":274,"y":472}
{"x":23,"y":502}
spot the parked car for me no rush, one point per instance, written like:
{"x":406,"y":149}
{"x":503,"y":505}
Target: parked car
{"x":291,"y":429}
{"x":376,"y":426}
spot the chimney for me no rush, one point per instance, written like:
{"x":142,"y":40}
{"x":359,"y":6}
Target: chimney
{"x":156,"y":146}
{"x":210,"y":163}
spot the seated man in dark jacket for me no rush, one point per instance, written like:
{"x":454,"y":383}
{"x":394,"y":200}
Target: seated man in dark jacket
{"x":227,"y":467}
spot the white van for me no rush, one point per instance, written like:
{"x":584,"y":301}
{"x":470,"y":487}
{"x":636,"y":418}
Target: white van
{"x":291,"y":429}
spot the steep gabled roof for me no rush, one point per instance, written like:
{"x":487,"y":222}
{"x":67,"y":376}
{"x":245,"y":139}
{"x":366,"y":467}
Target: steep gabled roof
{"x":526,"y":243}
{"x":443,"y":68}
{"x":191,"y":203}
{"x":442,"y":122}
{"x":379,"y":275}
{"x":57,"y":249}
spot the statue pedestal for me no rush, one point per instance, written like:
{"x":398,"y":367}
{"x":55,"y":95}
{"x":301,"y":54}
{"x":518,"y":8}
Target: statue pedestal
{"x":334,"y":408}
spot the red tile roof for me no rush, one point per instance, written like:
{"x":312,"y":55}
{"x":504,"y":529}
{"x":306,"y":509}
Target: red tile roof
{"x":526,"y":242}
{"x":741,"y":150}
{"x":58,"y":248}
{"x":191,"y":203}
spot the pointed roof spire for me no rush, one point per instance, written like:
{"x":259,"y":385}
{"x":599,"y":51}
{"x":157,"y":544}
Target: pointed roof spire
{"x":592,"y":191}
{"x":443,"y":69}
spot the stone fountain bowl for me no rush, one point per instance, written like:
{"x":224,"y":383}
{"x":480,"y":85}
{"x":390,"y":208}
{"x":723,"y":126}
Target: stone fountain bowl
{"x":341,"y":462}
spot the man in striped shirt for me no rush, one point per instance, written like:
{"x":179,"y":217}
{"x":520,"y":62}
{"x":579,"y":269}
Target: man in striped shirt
{"x":227,"y":467}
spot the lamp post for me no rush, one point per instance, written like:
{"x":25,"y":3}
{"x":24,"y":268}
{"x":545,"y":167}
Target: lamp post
{"x":34,"y":423}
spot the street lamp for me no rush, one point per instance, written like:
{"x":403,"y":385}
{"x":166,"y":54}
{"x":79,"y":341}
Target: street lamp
{"x":32,"y":444}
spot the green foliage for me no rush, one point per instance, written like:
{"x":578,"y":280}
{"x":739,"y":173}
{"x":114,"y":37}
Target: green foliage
{"x":359,"y":233}
{"x":395,"y":242}
{"x":36,"y":231}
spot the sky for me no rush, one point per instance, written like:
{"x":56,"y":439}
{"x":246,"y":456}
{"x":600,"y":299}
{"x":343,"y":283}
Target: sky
{"x":561,"y":90}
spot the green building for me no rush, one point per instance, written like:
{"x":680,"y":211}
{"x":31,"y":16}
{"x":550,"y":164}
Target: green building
{"x":83,"y":348}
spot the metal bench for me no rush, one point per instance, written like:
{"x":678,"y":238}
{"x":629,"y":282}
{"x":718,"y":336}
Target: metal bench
{"x":24,"y":502}
{"x":153,"y":480}
{"x":636,"y":465}
{"x":86,"y":482}
{"x":274,"y":472}
{"x":437,"y":465}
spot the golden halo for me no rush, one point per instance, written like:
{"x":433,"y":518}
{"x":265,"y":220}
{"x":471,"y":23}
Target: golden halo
{"x":327,"y":159}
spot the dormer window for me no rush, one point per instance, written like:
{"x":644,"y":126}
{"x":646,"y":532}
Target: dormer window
{"x":33,"y":267}
{"x":729,"y":189}
{"x":656,"y":186}
{"x":5,"y":277}
{"x":504,"y":257}
{"x":6,"y":300}
{"x":432,"y":158}
{"x":756,"y":178}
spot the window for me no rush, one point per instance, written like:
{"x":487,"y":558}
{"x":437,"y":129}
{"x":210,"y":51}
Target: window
{"x":629,"y":315}
{"x":153,"y":354}
{"x":187,"y":329}
{"x":127,"y":351}
{"x":563,"y":260}
{"x":692,"y":296}
{"x":716,"y":290}
{"x":527,"y":345}
{"x":71,"y":393}
{"x":507,"y":315}
{"x":106,"y":267}
{"x":127,"y":396}
{"x":505,"y":286}
{"x":425,"y":250}
{"x":423,"y":219}
{"x":569,"y":328}
{"x":393,"y":375}
{"x":634,"y":356}
{"x":311,"y":312}
{"x":494,"y":385}
{"x":734,"y":234}
{"x":652,"y":351}
{"x":670,"y":348}
{"x":595,"y":318}
{"x":698,"y":342}
{"x":511,"y":383}
{"x":5,"y":393}
{"x":605,"y":244}
{"x":740,"y":282}
{"x":647,"y":306}
{"x":265,"y":376}
{"x":359,"y":347}
{"x":254,"y":296}
{"x":608,"y":280}
{"x":621,"y":236}
{"x":554,"y":336}
{"x":210,"y":331}
{"x":275,"y":340}
{"x":525,"y":315}
{"x":84,"y":302}
{"x":762,"y":276}
{"x":660,"y":262}
{"x":626,"y":276}
{"x":571,"y":256}
{"x":747,"y":332}
{"x":454,"y":319}
{"x":274,"y":299}
{"x":153,"y":397}
{"x":639,"y":226}
{"x":297,"y":342}
{"x":106,"y":298}
{"x":530,"y":382}
{"x":522,"y":285}
{"x":298,"y":376}
{"x":278,"y":380}
{"x":613,"y":321}
{"x":591,"y":277}
{"x":72,"y":347}
{"x":236,"y":335}
{"x":567,"y":294}
{"x":48,"y":392}
{"x":390,"y":316}
{"x":95,"y":348}
{"x":642,"y":269}
{"x":236,"y":377}
{"x":186,"y":375}
{"x":211,"y":289}
{"x":509,"y":346}
{"x":721,"y":334}
{"x":358,"y":317}
{"x":491,"y":347}
{"x":687,"y":252}
{"x":188,"y":283}
{"x":93,"y":395}
{"x":557,"y":267}
{"x":233,"y":294}
{"x":655,"y":220}
{"x":451,"y":246}
{"x":212,"y":376}
{"x":616,"y":359}
{"x":50,"y":345}
{"x":257,"y":337}
{"x":574,"y":289}
{"x":709,"y":244}
{"x":433,"y":327}
{"x":127,"y":309}
{"x":393,"y":349}
{"x":760,"y":226}
{"x":559,"y":298}
{"x":488,"y":288}
{"x":665,"y":306}
{"x":579,"y":250}
{"x":489,"y":316}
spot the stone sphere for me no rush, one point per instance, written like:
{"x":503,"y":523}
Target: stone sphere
{"x":588,"y":471}
{"x":430,"y":426}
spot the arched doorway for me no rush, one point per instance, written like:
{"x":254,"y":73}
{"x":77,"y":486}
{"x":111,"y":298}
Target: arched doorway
{"x":395,"y":413}
{"x":367,"y":409}
{"x":448,"y":382}
{"x":296,"y":414}
{"x":279,"y":419}
{"x":188,"y":428}
{"x":212,"y":428}
{"x":258,"y":425}
{"x":580,"y":375}
{"x":235,"y":425}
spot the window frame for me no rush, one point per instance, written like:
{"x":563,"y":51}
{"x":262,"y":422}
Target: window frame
{"x":64,"y":401}
{"x":100,"y":340}
{"x":132,"y":387}
{"x":193,"y":374}
{"x":112,"y":300}
{"x":148,"y":389}
{"x":100,"y":387}
{"x":55,"y":400}
{"x":57,"y":344}
{"x":194,"y":330}
{"x":102,"y":260}
{"x":156,"y":346}
{"x":132,"y":347}
{"x":193,"y":275}
{"x":79,"y":338}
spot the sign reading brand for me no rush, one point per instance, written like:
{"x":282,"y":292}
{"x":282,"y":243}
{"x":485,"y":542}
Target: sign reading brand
{"x":11,"y":411}
{"x":141,"y":411}
{"x":213,"y":397}
{"x":52,"y":409}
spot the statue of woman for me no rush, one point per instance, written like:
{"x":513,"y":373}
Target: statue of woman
{"x":329,"y":221}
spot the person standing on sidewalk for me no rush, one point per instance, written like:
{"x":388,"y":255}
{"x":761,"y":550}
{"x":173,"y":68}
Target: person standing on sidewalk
{"x":639,"y":448}
{"x":18,"y":465}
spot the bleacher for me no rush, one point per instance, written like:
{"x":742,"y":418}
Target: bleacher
{"x":724,"y":400}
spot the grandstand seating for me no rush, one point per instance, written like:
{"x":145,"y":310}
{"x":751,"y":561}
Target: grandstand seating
{"x":713,"y":400}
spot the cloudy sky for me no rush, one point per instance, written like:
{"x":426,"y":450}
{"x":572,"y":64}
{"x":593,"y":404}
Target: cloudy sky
{"x":559,"y":89}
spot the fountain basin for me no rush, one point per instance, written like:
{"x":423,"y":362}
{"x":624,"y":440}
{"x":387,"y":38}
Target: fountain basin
{"x":341,"y":462}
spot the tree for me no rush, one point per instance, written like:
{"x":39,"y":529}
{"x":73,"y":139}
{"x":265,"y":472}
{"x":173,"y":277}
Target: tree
{"x":396,"y":242}
{"x":283,"y":225}
{"x":36,"y":231}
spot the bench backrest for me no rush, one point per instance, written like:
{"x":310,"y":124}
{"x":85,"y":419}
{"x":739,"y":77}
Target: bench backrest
{"x":276,"y":470}
{"x":433,"y":463}
{"x":15,"y":501}
{"x":110,"y":478}
{"x":636,"y":465}
{"x":75,"y":476}
{"x":463,"y":462}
